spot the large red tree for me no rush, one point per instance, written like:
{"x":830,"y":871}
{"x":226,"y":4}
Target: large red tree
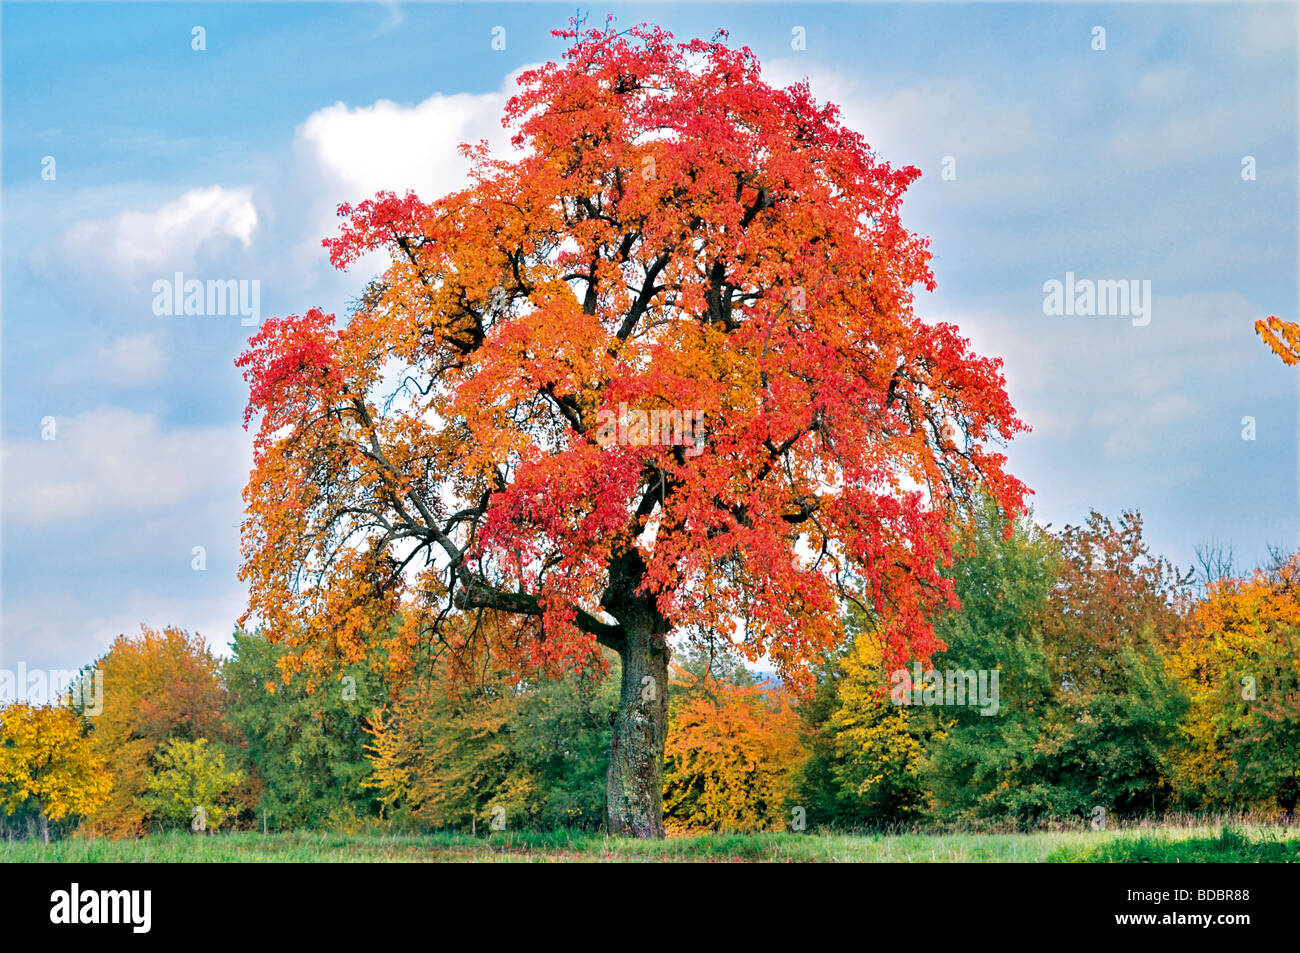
{"x":490,"y":452}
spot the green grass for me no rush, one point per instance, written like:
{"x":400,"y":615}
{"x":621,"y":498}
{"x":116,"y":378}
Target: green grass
{"x":1232,"y":845}
{"x":1163,"y":844}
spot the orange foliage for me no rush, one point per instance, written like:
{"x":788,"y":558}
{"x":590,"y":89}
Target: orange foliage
{"x":157,"y":686}
{"x":1241,"y":666}
{"x":676,"y":235}
{"x":1282,"y":336}
{"x":733,"y":754}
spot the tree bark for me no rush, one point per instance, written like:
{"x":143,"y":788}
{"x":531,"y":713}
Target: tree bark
{"x":45,"y":826}
{"x":634,"y":786}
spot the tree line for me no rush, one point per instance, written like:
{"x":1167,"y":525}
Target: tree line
{"x":1124,"y":687}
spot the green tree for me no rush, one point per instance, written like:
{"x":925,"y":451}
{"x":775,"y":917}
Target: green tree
{"x":875,"y":761}
{"x":988,"y":765}
{"x":305,"y":742}
{"x":561,"y":740}
{"x":1114,"y":619}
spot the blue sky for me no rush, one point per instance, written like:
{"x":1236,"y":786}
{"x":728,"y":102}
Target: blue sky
{"x":226,"y":163}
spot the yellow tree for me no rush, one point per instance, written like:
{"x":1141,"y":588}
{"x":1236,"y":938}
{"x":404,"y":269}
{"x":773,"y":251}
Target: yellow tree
{"x":733,"y":754}
{"x":441,"y":751}
{"x":45,"y":758}
{"x":1240,"y":663}
{"x":879,"y":751}
{"x":392,"y":761}
{"x":192,"y":785}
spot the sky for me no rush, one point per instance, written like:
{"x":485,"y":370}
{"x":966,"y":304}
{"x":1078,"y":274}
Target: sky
{"x":1042,"y":155}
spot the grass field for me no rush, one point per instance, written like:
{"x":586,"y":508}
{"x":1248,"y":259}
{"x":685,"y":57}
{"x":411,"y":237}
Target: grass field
{"x":1249,"y":843}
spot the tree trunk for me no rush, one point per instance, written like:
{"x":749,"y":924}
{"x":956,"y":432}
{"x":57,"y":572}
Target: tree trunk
{"x":634,"y":787}
{"x":45,"y":827}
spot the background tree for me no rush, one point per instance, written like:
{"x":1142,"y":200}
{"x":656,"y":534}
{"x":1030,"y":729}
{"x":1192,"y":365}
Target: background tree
{"x":191,"y":785}
{"x":305,"y":743}
{"x":1214,"y":564}
{"x":561,"y":740}
{"x":1114,"y":617}
{"x":448,"y":754}
{"x":158,"y":686}
{"x":1078,"y":627}
{"x":863,"y":753}
{"x":676,"y":236}
{"x":441,"y":753}
{"x":1240,"y":665}
{"x":993,"y":767}
{"x":878,"y":746}
{"x":46,"y":763}
{"x":876,"y":762}
{"x":733,"y":755}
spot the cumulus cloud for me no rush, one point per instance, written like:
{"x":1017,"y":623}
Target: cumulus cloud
{"x":391,"y":146}
{"x":142,"y":243}
{"x":344,"y":153}
{"x":111,"y":462}
{"x":272,"y":229}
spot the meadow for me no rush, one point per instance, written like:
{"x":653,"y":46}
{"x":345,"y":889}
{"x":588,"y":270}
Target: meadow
{"x":1191,"y":842}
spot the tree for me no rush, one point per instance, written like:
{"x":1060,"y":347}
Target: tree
{"x":1077,"y":628}
{"x":442,"y":752}
{"x":1111,"y":591}
{"x":1113,"y":619}
{"x":878,"y":761}
{"x":1214,"y":564}
{"x":158,"y":686}
{"x":561,"y":741}
{"x":733,"y":754}
{"x":46,"y":759}
{"x":615,"y":388}
{"x":878,"y":747}
{"x":990,"y":766}
{"x":191,"y":785}
{"x":1240,"y":665}
{"x":306,"y":746}
{"x":521,"y":751}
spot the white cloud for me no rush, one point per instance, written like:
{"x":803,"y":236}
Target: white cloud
{"x":391,"y":146}
{"x":139,"y":243}
{"x":110,"y":462}
{"x":134,"y":359}
{"x":348,"y":153}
